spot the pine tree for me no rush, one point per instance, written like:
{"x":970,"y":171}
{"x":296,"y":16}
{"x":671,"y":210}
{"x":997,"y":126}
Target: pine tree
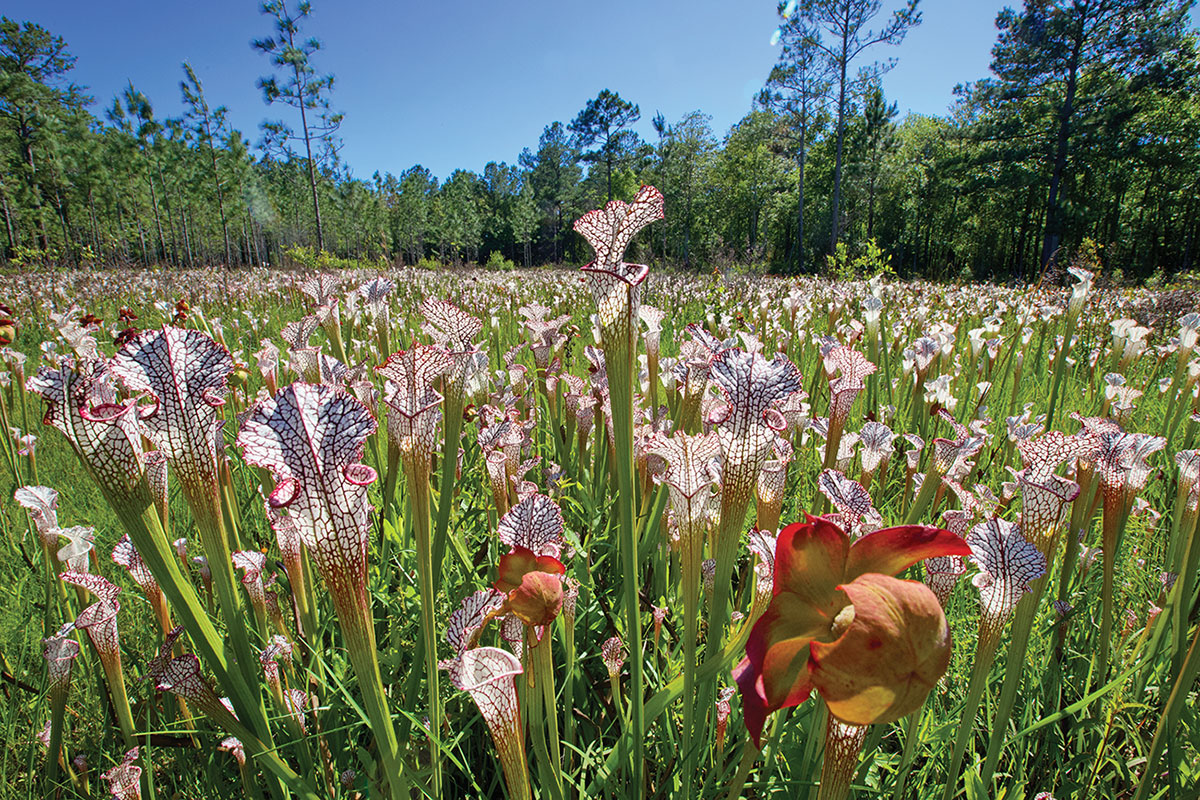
{"x":301,"y":88}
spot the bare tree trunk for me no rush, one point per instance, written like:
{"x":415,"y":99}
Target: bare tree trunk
{"x":9,"y":226}
{"x":1053,"y":224}
{"x":841,"y":135}
{"x":162,"y":241}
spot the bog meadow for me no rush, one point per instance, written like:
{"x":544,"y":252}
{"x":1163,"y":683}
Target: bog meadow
{"x":843,"y":455}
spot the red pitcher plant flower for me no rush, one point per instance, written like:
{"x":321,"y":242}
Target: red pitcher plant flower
{"x":311,"y":439}
{"x":838,"y":622}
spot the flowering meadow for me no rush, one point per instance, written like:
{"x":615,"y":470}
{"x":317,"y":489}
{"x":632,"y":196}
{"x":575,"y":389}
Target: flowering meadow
{"x":600,"y":532}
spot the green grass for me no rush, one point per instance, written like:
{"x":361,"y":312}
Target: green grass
{"x":1094,"y":749}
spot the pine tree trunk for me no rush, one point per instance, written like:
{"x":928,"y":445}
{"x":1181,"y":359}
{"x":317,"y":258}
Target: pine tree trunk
{"x":162,"y":241}
{"x":835,"y":235}
{"x":9,"y":225}
{"x":1053,"y":235}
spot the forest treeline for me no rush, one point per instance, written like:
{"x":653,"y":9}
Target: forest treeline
{"x":1086,"y":135}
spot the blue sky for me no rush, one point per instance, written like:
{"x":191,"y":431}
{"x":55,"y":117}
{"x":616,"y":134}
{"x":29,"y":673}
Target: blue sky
{"x":451,"y":85}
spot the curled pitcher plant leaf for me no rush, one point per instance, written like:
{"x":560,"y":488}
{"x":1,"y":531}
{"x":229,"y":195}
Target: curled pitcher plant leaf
{"x":182,"y":677}
{"x":747,"y":422}
{"x":840,"y":623}
{"x":185,"y":373}
{"x":124,"y":780}
{"x":104,"y":434}
{"x":486,"y":674}
{"x":42,"y":504}
{"x":614,"y":283}
{"x":311,"y":438}
{"x":414,"y":406}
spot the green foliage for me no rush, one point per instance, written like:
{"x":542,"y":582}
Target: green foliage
{"x":496,"y":260}
{"x":967,"y":194}
{"x":311,"y":259}
{"x":870,"y":262}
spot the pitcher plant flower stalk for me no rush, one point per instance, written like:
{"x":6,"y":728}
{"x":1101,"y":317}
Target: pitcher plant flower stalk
{"x":413,"y":413}
{"x":530,"y":579}
{"x":452,"y":329}
{"x":615,"y":287}
{"x":1008,"y":563}
{"x":1044,"y":500}
{"x":311,"y":438}
{"x":690,"y":477}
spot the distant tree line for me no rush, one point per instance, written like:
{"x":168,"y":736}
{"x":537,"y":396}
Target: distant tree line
{"x":1086,"y":135}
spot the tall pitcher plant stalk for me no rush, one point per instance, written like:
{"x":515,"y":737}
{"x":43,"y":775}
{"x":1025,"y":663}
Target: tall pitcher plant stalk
{"x":615,"y":287}
{"x":311,"y":438}
{"x":414,"y":409}
{"x":1044,"y":500}
{"x":690,"y":477}
{"x":452,"y":329}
